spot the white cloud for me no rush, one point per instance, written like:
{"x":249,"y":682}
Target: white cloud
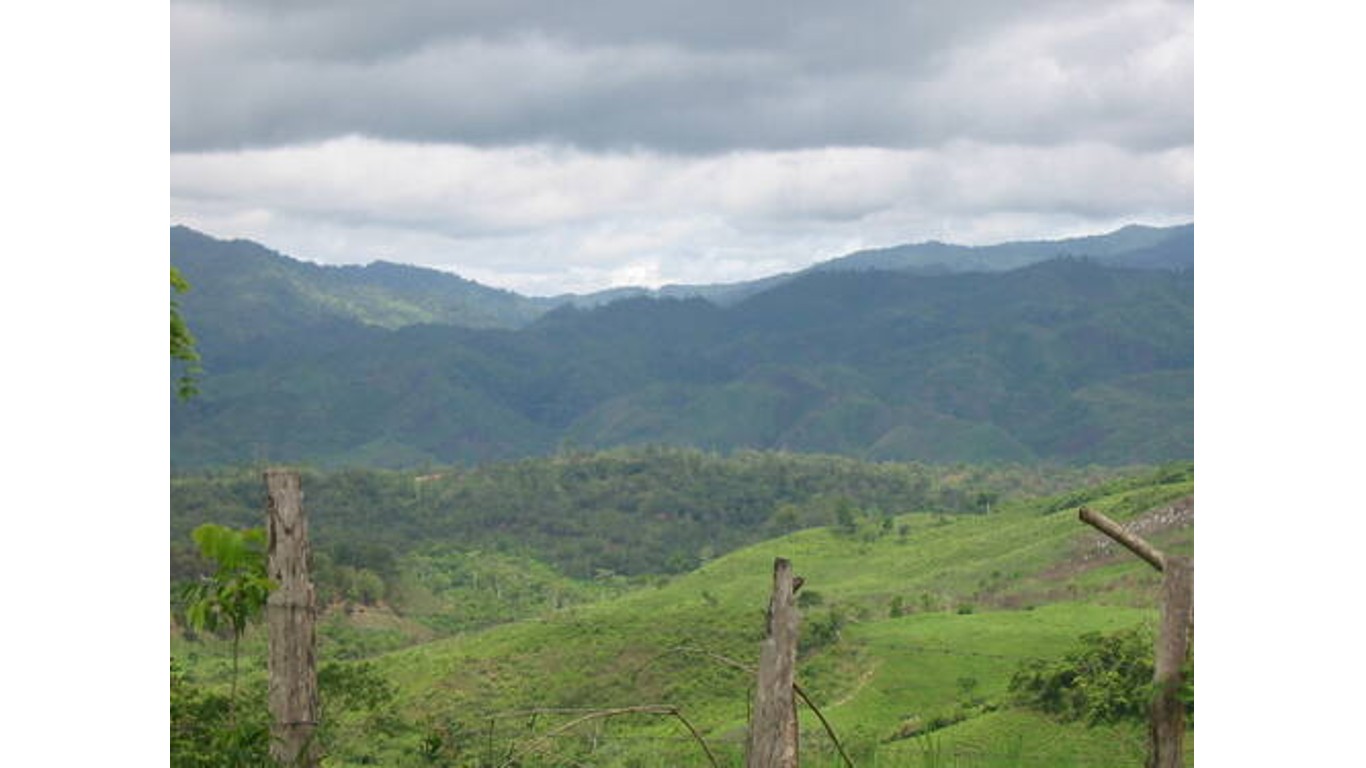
{"x":551,"y":146}
{"x":601,"y":218}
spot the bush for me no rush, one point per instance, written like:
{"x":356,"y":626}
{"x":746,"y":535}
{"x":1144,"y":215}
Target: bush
{"x":821,"y":631}
{"x":1107,"y":679}
{"x":207,"y":731}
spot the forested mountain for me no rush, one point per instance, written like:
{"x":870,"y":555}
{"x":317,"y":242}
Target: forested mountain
{"x":1066,"y":360}
{"x":1131,"y":246}
{"x":243,"y":290}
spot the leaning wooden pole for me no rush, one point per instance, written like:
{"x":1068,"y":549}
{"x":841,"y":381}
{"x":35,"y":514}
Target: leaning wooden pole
{"x":773,"y":733}
{"x":1167,"y":714}
{"x":1128,"y":540}
{"x":290,"y":615}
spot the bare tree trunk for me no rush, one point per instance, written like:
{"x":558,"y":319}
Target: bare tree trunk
{"x":290,"y":615}
{"x":1167,"y":725}
{"x":773,"y":726}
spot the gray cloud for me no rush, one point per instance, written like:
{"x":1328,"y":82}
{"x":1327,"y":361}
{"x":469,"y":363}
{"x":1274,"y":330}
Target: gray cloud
{"x":687,"y":77}
{"x":556,"y":146}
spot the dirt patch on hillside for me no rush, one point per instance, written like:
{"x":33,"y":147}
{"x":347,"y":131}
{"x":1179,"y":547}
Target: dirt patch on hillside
{"x":379,"y":616}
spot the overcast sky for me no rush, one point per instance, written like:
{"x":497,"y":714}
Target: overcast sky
{"x":571,"y":146}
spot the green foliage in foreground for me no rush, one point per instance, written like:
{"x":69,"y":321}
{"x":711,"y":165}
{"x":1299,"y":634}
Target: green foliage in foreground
{"x":227,"y":601}
{"x":1107,"y":679}
{"x":236,"y":592}
{"x":209,"y":730}
{"x":924,"y":684}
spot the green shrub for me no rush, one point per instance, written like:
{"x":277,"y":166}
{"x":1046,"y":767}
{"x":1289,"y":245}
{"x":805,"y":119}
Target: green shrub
{"x":1107,"y":679}
{"x":821,"y":631}
{"x":208,"y":731}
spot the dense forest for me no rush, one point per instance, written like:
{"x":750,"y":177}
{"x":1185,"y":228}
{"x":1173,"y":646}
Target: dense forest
{"x":1069,"y":360}
{"x":628,"y":511}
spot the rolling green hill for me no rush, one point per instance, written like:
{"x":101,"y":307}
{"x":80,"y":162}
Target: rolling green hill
{"x":911,"y":633}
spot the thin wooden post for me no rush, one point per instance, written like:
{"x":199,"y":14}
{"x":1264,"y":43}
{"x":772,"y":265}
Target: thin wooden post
{"x":773,"y":733}
{"x":1167,"y":714}
{"x":290,"y":615}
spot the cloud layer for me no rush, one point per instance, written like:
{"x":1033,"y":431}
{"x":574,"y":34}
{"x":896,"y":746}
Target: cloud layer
{"x":571,"y":145}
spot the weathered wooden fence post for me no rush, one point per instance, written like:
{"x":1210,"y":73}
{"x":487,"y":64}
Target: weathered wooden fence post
{"x":773,"y":725}
{"x":290,"y":615}
{"x":1167,"y":727}
{"x":1167,"y":716}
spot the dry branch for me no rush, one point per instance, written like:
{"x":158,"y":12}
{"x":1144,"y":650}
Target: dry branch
{"x":826,"y":723}
{"x":796,"y":688}
{"x":1131,"y":542}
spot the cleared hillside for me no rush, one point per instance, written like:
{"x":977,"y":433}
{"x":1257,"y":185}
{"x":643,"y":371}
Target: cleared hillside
{"x":911,"y":632}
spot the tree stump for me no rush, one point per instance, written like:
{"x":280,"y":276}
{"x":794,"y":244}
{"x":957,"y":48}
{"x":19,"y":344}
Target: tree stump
{"x":773,"y":728}
{"x":290,"y":616}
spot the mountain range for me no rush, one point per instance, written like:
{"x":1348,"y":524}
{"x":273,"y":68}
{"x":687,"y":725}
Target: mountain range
{"x":1076,"y":351}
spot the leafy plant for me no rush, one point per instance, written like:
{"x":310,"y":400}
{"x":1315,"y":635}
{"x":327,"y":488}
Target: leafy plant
{"x":236,"y":593}
{"x":206,"y":731}
{"x":357,"y":708}
{"x":1107,"y":679}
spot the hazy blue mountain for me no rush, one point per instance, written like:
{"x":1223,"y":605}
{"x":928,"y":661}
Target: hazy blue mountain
{"x":1131,"y":246}
{"x":1171,"y":248}
{"x":1069,"y":360}
{"x":243,"y":290}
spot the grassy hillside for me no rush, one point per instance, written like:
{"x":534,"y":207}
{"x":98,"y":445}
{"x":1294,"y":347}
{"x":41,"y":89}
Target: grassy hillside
{"x":911,"y":632}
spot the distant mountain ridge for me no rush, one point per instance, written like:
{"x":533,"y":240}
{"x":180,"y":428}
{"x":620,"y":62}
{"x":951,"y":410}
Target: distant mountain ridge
{"x":392,"y":295}
{"x":1131,"y":246}
{"x":244,"y":289}
{"x":1066,"y":360}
